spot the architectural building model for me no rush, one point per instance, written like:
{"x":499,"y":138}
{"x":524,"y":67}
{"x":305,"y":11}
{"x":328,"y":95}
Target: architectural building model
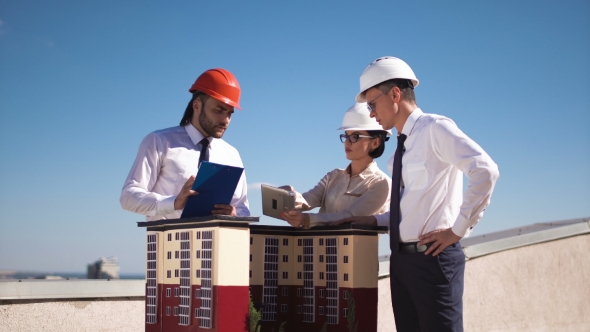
{"x":202,"y":271}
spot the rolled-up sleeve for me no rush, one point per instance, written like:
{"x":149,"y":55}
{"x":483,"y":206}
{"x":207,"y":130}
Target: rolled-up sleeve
{"x":314,"y":197}
{"x":456,"y":148}
{"x":369,"y":203}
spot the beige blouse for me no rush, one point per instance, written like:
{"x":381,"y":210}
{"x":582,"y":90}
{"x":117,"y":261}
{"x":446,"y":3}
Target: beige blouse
{"x":341,"y":196}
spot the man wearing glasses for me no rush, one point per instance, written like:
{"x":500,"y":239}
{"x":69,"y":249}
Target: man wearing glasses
{"x":161,"y":179}
{"x":429,"y":213}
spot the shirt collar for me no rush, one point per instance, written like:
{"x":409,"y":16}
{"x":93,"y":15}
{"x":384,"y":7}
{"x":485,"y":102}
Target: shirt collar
{"x":369,"y":171}
{"x":411,"y":121}
{"x":195,"y":134}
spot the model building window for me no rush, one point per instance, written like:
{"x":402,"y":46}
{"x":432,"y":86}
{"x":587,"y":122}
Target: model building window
{"x":175,"y":291}
{"x":197,"y":293}
{"x":285,"y":258}
{"x":176,"y":273}
{"x":299,"y":242}
{"x":321,"y":258}
{"x":198,"y":273}
{"x":321,"y":293}
{"x":285,"y":275}
{"x":271,"y":276}
{"x":176,"y":254}
{"x":345,"y":312}
{"x":308,"y":304}
{"x":198,"y":235}
{"x":299,"y":275}
{"x":285,"y":291}
{"x":251,"y":240}
{"x":169,"y":255}
{"x":299,"y":292}
{"x":345,"y":295}
{"x":167,"y":311}
{"x":198,"y":254}
{"x":168,"y":292}
{"x":321,"y":242}
{"x":346,"y":277}
{"x":170,"y":237}
{"x":285,"y":242}
{"x":283,"y":308}
{"x":197,"y":313}
{"x":299,"y":258}
{"x":321,"y":310}
{"x":345,"y":259}
{"x":331,"y":281}
{"x":298,"y":309}
{"x":250,"y":273}
{"x":345,"y":241}
{"x":206,"y":279}
{"x":321,"y":275}
{"x":152,"y":287}
{"x":175,"y":311}
{"x":177,"y":237}
{"x":168,"y":274}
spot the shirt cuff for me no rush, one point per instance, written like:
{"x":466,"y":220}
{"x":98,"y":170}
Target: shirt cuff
{"x":462,"y":227}
{"x":382,"y":219}
{"x":166,"y":206}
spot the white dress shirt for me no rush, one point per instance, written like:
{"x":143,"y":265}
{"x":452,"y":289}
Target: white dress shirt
{"x":164,"y":162}
{"x":437,"y":155}
{"x":340,"y":196}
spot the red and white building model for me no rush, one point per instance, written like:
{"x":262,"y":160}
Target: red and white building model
{"x":200,"y":272}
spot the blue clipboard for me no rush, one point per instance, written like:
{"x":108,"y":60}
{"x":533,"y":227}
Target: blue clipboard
{"x":216,"y":184}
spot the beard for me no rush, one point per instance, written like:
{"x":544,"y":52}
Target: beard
{"x":209,"y":127}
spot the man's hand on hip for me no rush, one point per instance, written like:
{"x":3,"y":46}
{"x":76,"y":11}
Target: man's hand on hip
{"x":184,"y":193}
{"x":440,"y":239}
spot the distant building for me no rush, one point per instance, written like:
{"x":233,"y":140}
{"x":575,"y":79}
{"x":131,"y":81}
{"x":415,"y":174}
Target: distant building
{"x":104,"y":268}
{"x":200,"y":271}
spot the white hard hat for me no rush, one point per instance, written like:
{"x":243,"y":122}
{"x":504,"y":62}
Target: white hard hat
{"x":384,"y":69}
{"x":357,"y":118}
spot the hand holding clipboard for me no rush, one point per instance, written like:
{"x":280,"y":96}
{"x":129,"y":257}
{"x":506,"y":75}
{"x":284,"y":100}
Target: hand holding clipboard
{"x":215,"y":184}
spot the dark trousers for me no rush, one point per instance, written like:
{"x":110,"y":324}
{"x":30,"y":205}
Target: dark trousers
{"x":427,"y":291}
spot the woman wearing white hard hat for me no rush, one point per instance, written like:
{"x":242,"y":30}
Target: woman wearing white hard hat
{"x":359,"y":189}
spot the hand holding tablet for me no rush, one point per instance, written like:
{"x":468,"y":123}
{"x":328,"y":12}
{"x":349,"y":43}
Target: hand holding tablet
{"x":276,"y":201}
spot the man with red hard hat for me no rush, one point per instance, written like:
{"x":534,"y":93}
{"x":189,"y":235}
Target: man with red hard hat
{"x":161,"y":178}
{"x":429,"y":213}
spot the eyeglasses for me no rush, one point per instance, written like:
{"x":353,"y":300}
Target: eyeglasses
{"x":353,"y":138}
{"x":371,"y":104}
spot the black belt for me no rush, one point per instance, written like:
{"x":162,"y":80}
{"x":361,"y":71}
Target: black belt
{"x":412,"y":248}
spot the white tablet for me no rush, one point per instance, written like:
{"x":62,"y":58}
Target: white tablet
{"x":275,"y":201}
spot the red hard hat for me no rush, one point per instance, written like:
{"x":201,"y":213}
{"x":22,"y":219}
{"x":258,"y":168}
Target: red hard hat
{"x":219,"y":84}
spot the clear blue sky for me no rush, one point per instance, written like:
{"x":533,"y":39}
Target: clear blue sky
{"x":82,"y":82}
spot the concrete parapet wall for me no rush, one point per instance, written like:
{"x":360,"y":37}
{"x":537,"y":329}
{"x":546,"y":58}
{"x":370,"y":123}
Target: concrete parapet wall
{"x":64,"y":316}
{"x":541,"y":287}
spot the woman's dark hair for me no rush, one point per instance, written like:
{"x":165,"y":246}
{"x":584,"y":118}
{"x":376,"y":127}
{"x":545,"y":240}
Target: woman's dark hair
{"x":382,"y":135}
{"x":188,"y":112}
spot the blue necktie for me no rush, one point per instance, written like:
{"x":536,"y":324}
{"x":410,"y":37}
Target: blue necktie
{"x":394,"y":208}
{"x":204,"y":151}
